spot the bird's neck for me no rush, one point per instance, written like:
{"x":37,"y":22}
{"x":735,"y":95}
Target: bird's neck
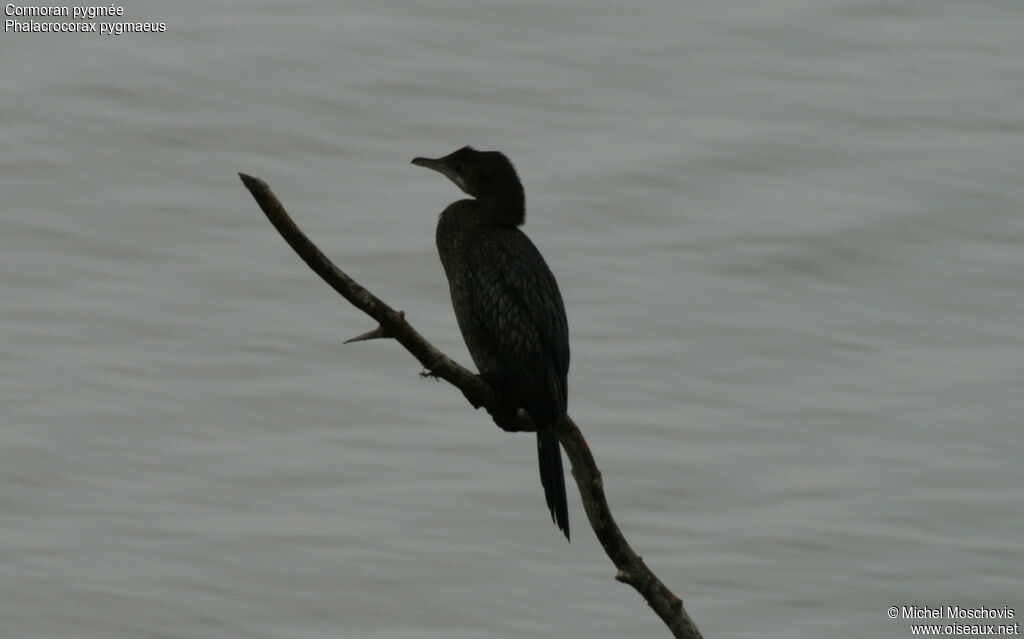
{"x":504,"y":208}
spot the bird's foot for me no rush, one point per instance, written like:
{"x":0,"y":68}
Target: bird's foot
{"x":513,"y":420}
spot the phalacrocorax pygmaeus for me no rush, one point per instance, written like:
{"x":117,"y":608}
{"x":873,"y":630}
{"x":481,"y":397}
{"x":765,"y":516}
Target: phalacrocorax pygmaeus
{"x":506,"y":301}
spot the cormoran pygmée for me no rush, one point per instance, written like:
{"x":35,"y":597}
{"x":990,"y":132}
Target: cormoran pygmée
{"x":506,"y":301}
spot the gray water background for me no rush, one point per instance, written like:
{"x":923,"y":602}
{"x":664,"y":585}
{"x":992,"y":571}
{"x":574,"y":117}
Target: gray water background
{"x":789,"y":236}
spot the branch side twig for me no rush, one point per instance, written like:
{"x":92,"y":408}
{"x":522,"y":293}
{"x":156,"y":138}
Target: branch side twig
{"x":631,"y":567}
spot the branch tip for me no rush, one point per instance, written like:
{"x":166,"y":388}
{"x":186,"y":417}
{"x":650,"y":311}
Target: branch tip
{"x":378,"y":333}
{"x":251,"y":182}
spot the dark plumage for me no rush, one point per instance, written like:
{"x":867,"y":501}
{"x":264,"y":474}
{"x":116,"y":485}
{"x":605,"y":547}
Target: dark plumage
{"x":506,"y":301}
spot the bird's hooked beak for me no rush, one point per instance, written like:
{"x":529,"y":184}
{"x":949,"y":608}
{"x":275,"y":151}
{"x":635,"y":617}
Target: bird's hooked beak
{"x":437,"y":164}
{"x":442,"y":167}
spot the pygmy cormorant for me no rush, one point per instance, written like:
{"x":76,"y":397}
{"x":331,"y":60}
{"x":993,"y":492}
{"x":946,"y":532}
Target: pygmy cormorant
{"x":506,"y":301}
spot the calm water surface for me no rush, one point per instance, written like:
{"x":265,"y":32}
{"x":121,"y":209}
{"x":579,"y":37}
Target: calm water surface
{"x":789,"y":236}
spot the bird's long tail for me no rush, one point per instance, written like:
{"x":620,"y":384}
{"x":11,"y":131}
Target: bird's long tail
{"x":551,"y":477}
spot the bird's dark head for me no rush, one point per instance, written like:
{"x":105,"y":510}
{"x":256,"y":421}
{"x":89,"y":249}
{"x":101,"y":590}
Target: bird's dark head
{"x":487,"y":176}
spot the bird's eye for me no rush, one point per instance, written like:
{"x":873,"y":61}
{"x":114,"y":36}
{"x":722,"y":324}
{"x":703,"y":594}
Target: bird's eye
{"x":458,"y":166}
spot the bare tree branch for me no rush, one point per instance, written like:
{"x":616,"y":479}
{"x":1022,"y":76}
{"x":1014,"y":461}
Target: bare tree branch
{"x":392,"y":324}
